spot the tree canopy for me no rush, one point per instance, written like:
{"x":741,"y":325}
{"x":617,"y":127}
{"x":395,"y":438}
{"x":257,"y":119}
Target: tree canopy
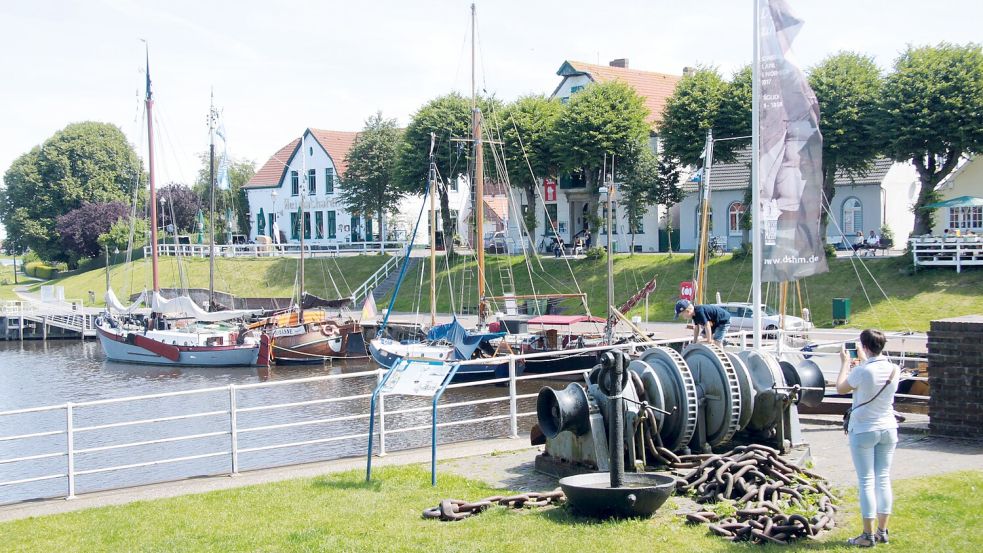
{"x":234,"y":198}
{"x":79,"y":229}
{"x":848,"y":88}
{"x":179,"y":205}
{"x":932,"y":114}
{"x":87,"y":162}
{"x":691,"y":111}
{"x":369,"y":183}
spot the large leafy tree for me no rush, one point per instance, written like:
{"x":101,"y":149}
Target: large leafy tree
{"x":601,"y":121}
{"x":527,"y":129}
{"x":638,"y":190}
{"x":118,"y":235}
{"x":932,"y":114}
{"x":85,"y":162}
{"x":848,"y":87}
{"x":449,"y":119}
{"x":234,"y":197}
{"x":733,"y":121}
{"x":369,"y":182}
{"x":689,"y":113}
{"x":79,"y":229}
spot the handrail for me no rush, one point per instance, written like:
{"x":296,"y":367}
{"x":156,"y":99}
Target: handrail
{"x":370,"y":283}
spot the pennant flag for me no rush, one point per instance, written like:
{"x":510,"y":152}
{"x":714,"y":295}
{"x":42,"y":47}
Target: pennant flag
{"x":790,"y":155}
{"x":697,"y":176}
{"x":222,"y":178}
{"x":200,"y":223}
{"x":369,"y":310}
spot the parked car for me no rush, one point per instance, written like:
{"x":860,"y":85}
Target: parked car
{"x":497,"y":243}
{"x":742,"y":318}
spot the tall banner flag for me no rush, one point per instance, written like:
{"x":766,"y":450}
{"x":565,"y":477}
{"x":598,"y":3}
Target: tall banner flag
{"x":790,"y":155}
{"x":222,"y":180}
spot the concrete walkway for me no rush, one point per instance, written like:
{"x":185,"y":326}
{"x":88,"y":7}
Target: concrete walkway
{"x":508,"y":463}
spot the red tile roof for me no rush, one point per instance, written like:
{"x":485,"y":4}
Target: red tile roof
{"x":336,"y":143}
{"x":654,"y":87}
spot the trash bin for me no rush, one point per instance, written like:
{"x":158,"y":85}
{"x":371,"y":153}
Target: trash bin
{"x":841,"y":310}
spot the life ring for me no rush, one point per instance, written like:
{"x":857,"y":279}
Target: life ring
{"x":329,"y":330}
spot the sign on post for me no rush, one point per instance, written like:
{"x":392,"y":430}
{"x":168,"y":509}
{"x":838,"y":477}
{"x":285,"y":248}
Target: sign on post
{"x":686,"y":290}
{"x":416,"y":377}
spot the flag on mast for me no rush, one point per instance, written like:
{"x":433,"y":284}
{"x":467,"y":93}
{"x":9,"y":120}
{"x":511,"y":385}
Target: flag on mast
{"x":790,"y":155}
{"x":369,"y":310}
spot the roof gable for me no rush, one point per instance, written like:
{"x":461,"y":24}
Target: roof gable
{"x":655,"y":88}
{"x":334,"y":143}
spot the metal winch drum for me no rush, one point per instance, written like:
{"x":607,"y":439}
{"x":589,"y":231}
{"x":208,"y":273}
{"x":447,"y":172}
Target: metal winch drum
{"x":702,"y":399}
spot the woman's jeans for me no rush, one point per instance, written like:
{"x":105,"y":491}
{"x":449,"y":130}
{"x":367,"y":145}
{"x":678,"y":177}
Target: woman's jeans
{"x":872,"y":453}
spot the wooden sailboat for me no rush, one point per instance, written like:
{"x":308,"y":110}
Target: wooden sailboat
{"x":310,"y":334}
{"x":177,"y":332}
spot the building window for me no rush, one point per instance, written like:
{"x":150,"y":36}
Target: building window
{"x":852,"y":217}
{"x":614,"y":218}
{"x":311,"y":182}
{"x":356,"y":231}
{"x":318,"y":224}
{"x":699,"y":221}
{"x":640,"y":227}
{"x":271,"y":230}
{"x":294,"y":226}
{"x":294,"y":183}
{"x":550,"y":218}
{"x":734,"y":215}
{"x":564,"y":99}
{"x":332,"y":225}
{"x":329,"y":181}
{"x":260,"y":224}
{"x":310,"y":150}
{"x":966,"y":217}
{"x":576,"y":89}
{"x":368,"y":229}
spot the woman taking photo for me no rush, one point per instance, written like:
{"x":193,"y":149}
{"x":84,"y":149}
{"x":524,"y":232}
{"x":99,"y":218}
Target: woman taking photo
{"x":872,"y":429}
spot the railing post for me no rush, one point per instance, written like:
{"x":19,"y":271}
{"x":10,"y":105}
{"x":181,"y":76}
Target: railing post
{"x":382,"y":417}
{"x":70,"y":446}
{"x":513,"y":406}
{"x":233,"y":434}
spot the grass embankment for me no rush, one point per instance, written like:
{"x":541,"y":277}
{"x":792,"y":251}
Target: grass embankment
{"x":915,"y":299}
{"x":344,"y":513}
{"x":247,"y":277}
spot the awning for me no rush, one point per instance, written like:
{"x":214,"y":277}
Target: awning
{"x":961,"y":201}
{"x":563,"y":319}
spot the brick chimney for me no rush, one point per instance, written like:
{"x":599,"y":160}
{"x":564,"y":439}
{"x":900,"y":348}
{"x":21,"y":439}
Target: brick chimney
{"x":620,"y":62}
{"x":687,"y":71}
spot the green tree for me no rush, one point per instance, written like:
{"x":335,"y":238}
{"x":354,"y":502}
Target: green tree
{"x":932,"y":114}
{"x":601,"y":121}
{"x":690,"y":112}
{"x":85,"y":162}
{"x":118,"y":236}
{"x":666,"y":191}
{"x":449,"y":118}
{"x":527,"y":127}
{"x":638,"y":190}
{"x":234,"y":198}
{"x":733,"y":118}
{"x":848,"y":87}
{"x":369,"y":182}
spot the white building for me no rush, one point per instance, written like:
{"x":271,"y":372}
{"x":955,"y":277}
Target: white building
{"x":566,"y":202}
{"x":966,"y":180}
{"x":310,"y":168}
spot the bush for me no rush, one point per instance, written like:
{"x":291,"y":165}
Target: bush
{"x":40,"y":270}
{"x":830,"y":250}
{"x":596,"y":253}
{"x":743,"y":251}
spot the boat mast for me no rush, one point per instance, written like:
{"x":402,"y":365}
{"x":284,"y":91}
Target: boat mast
{"x":609,"y":331}
{"x":300,"y":222}
{"x":433,"y":235}
{"x":479,"y":184}
{"x":153,"y":189}
{"x":212,"y":118}
{"x":755,"y":184}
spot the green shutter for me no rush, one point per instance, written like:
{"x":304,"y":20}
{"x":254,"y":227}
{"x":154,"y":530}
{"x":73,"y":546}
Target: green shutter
{"x":332,"y":225}
{"x":319,"y":224}
{"x":329,"y":181}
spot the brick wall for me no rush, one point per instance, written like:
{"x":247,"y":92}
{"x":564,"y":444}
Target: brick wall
{"x":955,"y":367}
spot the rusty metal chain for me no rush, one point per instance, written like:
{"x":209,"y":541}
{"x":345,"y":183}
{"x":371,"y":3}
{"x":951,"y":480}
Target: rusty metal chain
{"x":456,"y":509}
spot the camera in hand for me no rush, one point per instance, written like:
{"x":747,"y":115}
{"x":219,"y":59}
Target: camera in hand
{"x":851,"y":348}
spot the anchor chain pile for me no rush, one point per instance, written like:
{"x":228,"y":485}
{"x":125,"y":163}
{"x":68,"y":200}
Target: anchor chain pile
{"x":758,"y":496}
{"x":456,"y":509}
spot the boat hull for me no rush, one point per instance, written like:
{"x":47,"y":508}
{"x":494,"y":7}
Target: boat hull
{"x":118,"y":348}
{"x":387,"y":353}
{"x":316,"y":342}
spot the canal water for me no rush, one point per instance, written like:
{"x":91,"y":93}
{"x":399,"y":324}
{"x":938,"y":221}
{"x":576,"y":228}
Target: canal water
{"x":35,"y":373}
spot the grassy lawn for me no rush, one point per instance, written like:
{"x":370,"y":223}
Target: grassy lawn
{"x":915,"y":299}
{"x":343,"y":513}
{"x":263,"y":277}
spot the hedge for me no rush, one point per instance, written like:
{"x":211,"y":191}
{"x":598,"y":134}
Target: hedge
{"x":40,"y":270}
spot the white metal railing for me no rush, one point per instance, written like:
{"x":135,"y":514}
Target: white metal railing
{"x":231,"y":412}
{"x":275,"y":250}
{"x":948,"y":251}
{"x":380,"y":275}
{"x":65,"y":314}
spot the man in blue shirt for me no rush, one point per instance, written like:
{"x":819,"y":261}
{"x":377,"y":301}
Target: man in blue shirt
{"x":712,"y":320}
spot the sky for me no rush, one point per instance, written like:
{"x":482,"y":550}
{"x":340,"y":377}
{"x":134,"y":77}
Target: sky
{"x":277,"y":68}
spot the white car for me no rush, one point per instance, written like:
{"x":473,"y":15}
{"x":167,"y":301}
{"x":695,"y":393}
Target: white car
{"x":742,"y":318}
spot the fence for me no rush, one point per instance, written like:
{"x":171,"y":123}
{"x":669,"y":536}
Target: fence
{"x":65,"y":314}
{"x":275,"y":250}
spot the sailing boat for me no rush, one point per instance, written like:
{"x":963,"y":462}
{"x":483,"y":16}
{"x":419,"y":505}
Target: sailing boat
{"x":178,"y":332}
{"x":309,"y":334}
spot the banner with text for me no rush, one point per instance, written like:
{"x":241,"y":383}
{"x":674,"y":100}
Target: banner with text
{"x":790,"y":154}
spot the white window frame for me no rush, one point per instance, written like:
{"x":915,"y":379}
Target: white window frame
{"x":734,"y":225}
{"x":850,"y":229}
